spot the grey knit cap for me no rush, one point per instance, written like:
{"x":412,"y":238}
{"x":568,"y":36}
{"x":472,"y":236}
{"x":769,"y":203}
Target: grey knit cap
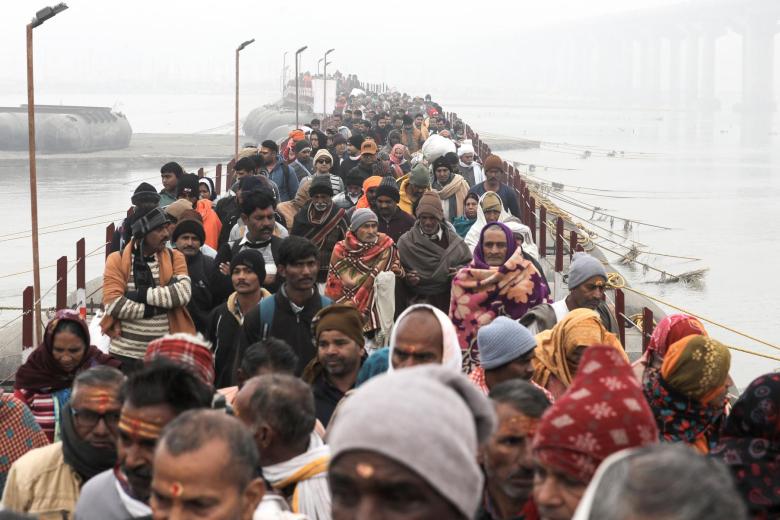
{"x":583,"y":267}
{"x":503,"y":340}
{"x":447,"y":416}
{"x":360,"y":217}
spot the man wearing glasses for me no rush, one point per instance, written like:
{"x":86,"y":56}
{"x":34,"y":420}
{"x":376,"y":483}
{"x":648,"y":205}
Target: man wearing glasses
{"x":46,"y":481}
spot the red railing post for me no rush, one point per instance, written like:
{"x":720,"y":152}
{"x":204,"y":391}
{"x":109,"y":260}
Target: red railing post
{"x":229,"y":177}
{"x":647,"y":328}
{"x":109,"y":236}
{"x":572,"y":243}
{"x":62,"y":282}
{"x":559,"y":245}
{"x":218,"y":179}
{"x":200,"y":173}
{"x":532,"y":203}
{"x":81,"y":278}
{"x":27,"y":319}
{"x":620,"y":311}
{"x":542,"y":231}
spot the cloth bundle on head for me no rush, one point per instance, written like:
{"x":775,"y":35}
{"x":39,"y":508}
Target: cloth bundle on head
{"x":302,"y":145}
{"x":556,"y":353}
{"x":389,"y":188}
{"x":493,"y":162}
{"x":323,"y":153}
{"x":190,"y":351}
{"x":206,"y":181}
{"x":145,"y":194}
{"x":187,"y":186}
{"x":465,"y":148}
{"x":372,"y":182}
{"x":249,"y":151}
{"x":320,"y":184}
{"x":420,"y":176}
{"x":451,"y":356}
{"x":252,"y":259}
{"x":491,"y":202}
{"x":190,"y":221}
{"x":583,"y":267}
{"x":151,"y":220}
{"x":343,"y":318}
{"x":176,"y":209}
{"x":668,"y":331}
{"x":297,"y":135}
{"x":361,"y":216}
{"x":503,"y":340}
{"x":450,"y":418}
{"x":430,"y":204}
{"x":603,"y":412}
{"x":697,"y":367}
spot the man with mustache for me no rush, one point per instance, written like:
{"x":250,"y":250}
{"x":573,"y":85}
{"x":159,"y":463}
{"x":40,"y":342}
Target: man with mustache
{"x":188,"y":237}
{"x":506,"y":457}
{"x":587,"y":284}
{"x":247,"y":271}
{"x":46,"y":481}
{"x":287,"y":315}
{"x":153,"y":397}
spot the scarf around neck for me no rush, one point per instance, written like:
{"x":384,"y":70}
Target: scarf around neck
{"x":84,"y":458}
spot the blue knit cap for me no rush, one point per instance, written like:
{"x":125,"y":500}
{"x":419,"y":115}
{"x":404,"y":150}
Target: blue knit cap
{"x":583,"y":267}
{"x":503,"y":340}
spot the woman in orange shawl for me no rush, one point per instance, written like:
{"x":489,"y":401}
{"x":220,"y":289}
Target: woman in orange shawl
{"x":558,"y":350}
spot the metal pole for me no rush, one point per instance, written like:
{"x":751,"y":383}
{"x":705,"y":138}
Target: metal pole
{"x":325,"y":85}
{"x":235,"y":153}
{"x":33,"y":186}
{"x":284,"y":72}
{"x":297,"y":55}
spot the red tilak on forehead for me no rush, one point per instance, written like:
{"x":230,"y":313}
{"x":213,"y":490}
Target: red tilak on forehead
{"x":99,"y":399}
{"x":177,"y":489}
{"x":138,"y":428}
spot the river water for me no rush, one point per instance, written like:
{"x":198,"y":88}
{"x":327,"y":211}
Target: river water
{"x":692,"y":174}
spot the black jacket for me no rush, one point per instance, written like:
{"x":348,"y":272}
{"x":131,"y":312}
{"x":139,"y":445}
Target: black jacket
{"x":200,"y":267}
{"x":223,"y":333}
{"x":221,"y":285}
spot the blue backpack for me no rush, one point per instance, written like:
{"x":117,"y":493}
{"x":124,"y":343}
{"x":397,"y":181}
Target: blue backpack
{"x":267,"y":308}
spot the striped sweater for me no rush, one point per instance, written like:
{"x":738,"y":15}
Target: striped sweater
{"x":138,"y":331}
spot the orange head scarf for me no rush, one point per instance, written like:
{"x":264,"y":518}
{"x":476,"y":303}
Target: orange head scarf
{"x":371,"y":182}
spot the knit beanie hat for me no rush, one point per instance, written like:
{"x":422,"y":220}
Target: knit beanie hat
{"x":420,"y":176}
{"x":389,"y":188}
{"x":302,"y":145}
{"x":188,"y":224}
{"x":441,"y":162}
{"x":343,"y":318}
{"x":251,"y":258}
{"x":430,"y":204}
{"x":320,"y":184}
{"x":150,"y":220}
{"x":583,"y":267}
{"x":493,"y":161}
{"x":503,"y":340}
{"x":452,"y":158}
{"x":323,"y":152}
{"x":175,"y":209}
{"x":356,"y":140}
{"x":353,"y":179}
{"x":187,"y":185}
{"x":491,"y":202}
{"x":145,"y":193}
{"x":360,"y":217}
{"x":249,"y":183}
{"x":449,"y":416}
{"x":603,"y":411}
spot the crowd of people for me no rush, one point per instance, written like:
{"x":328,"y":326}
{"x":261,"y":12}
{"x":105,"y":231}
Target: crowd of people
{"x":361,"y":328}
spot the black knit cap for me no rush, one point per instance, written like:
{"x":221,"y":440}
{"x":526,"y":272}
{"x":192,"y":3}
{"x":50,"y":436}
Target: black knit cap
{"x":188,"y":185}
{"x":145,"y":193}
{"x":321,"y":184}
{"x":189,"y":226}
{"x":252,"y":259}
{"x":442,"y":162}
{"x":356,"y":140}
{"x":148,"y":221}
{"x":388,"y":188}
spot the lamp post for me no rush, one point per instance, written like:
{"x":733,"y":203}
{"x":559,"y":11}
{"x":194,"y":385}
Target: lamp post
{"x":325,"y":85}
{"x":318,"y":65}
{"x":40,"y":17}
{"x":238,"y":50}
{"x":284,"y":72}
{"x":297,"y":54}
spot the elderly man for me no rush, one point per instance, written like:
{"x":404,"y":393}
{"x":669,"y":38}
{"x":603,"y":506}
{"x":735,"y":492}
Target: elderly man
{"x":506,"y":351}
{"x":507,"y":458}
{"x":392,"y":221}
{"x":412,"y":186}
{"x":247,"y":270}
{"x":431,"y":254}
{"x":46,"y":481}
{"x":450,"y":187}
{"x":587,"y":284}
{"x":302,"y":165}
{"x":279,"y":410}
{"x":321,"y":221}
{"x":339,"y":335}
{"x":206,"y":460}
{"x":153,"y":397}
{"x":376,"y":472}
{"x":467,"y":166}
{"x":494,"y":169}
{"x":188,"y":237}
{"x":355,"y":264}
{"x":146,"y":289}
{"x":603,"y":412}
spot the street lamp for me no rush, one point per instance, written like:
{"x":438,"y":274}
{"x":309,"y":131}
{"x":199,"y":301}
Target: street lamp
{"x":318,"y":65}
{"x":239,"y":49}
{"x":40,"y":17}
{"x":284,"y":72}
{"x":297,"y":54}
{"x":325,"y":84}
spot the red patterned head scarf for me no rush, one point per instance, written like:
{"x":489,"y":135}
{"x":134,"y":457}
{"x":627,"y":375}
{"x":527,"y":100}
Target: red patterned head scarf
{"x":603,"y":412}
{"x":192,"y":352}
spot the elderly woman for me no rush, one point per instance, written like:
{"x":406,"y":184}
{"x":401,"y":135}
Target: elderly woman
{"x":560,"y":349}
{"x":749,"y":445}
{"x":450,"y":187}
{"x":668,"y":331}
{"x":498,"y":282}
{"x":464,"y":222}
{"x":491,"y":209}
{"x":688,"y":394}
{"x":44,"y":381}
{"x":400,"y":166}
